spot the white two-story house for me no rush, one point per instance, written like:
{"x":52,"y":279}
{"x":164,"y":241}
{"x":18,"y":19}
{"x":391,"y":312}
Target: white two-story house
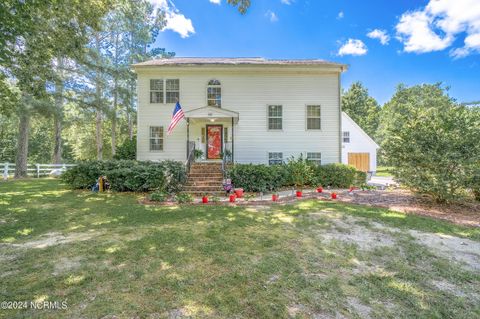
{"x":259,"y":110}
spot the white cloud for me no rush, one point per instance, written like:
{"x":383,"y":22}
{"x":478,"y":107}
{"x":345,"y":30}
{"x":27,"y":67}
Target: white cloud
{"x":381,"y":35}
{"x":353,"y":47}
{"x":435,"y":27}
{"x":288,"y":2}
{"x":176,"y":21}
{"x":340,"y":15}
{"x":272,"y":16}
{"x":215,"y":1}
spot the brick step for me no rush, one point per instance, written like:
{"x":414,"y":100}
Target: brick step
{"x":204,"y":183}
{"x":198,"y":194}
{"x":203,"y":188}
{"x":202,"y":175}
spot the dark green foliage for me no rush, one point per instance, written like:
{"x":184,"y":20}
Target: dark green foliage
{"x":158,"y":197}
{"x":261,"y":178}
{"x":184,"y":198}
{"x":474,"y":184}
{"x":167,"y":176}
{"x":338,"y":175}
{"x":128,"y":150}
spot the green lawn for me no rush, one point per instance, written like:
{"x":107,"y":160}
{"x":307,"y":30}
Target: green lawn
{"x":104,"y":254}
{"x":384,"y":171}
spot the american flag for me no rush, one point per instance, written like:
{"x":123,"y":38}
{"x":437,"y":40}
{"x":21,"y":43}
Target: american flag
{"x":176,"y":117}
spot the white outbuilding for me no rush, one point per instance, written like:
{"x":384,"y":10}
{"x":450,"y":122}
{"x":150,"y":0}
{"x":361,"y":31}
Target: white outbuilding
{"x":358,"y":149}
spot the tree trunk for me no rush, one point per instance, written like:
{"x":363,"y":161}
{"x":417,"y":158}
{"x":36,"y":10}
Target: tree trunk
{"x":58,"y":115}
{"x":22,"y":145}
{"x":99,"y":135}
{"x":98,"y":100}
{"x":115,"y":98}
{"x":132,"y":107}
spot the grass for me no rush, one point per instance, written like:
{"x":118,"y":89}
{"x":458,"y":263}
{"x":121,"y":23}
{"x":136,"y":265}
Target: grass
{"x":104,"y":254}
{"x":385,"y":171}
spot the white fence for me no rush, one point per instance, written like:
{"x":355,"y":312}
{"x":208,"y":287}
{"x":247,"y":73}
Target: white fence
{"x":36,"y":170}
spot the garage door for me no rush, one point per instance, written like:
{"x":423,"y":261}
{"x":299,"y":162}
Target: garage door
{"x":360,"y":161}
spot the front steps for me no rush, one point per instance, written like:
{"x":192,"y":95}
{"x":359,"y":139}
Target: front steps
{"x":205,"y":178}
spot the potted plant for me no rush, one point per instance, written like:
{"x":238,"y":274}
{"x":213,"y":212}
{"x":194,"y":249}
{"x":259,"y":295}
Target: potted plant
{"x":334,"y":195}
{"x":204,"y":198}
{"x":319,"y":189}
{"x":198,"y":154}
{"x":275,"y":196}
{"x":232,"y":198}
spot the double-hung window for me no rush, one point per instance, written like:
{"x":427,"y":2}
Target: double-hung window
{"x":275,"y":158}
{"x":156,"y":138}
{"x":172,"y":90}
{"x":156,"y":91}
{"x":214,"y":93}
{"x":346,"y":137}
{"x":314,"y":121}
{"x":275,"y":117}
{"x":314,"y":157}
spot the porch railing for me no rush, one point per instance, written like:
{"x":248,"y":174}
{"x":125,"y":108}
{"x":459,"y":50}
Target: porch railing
{"x":190,"y":155}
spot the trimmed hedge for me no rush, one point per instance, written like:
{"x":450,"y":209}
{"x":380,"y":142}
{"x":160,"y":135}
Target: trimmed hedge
{"x":260,"y":177}
{"x":127,"y":175}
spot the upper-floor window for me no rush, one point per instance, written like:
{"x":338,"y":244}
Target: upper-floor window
{"x":346,"y":137}
{"x":164,"y":91}
{"x":156,"y":91}
{"x":275,"y":117}
{"x":214,"y":93}
{"x":314,"y":157}
{"x":172,"y":90}
{"x":313,"y":117}
{"x":275,"y":158}
{"x":156,"y":138}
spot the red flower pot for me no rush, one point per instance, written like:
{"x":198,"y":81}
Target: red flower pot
{"x":204,"y":199}
{"x":299,"y":193}
{"x":232,"y":198}
{"x":239,"y":192}
{"x":274,"y":197}
{"x":334,"y":195}
{"x":319,"y":190}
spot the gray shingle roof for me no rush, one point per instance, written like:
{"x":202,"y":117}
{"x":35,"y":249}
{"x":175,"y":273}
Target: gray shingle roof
{"x":233,"y":61}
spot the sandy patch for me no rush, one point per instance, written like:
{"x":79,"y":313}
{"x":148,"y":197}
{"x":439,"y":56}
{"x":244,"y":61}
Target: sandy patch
{"x":53,"y":238}
{"x":362,"y":310}
{"x":65,"y":265}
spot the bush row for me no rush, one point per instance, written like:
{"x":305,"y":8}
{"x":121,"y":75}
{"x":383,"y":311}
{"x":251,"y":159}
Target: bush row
{"x":299,"y":173}
{"x":128,"y":175}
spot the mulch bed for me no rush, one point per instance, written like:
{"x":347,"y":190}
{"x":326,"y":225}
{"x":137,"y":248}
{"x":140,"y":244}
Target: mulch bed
{"x":462,"y":213}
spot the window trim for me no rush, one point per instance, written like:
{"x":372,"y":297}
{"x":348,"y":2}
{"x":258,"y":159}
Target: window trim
{"x":268,"y":158}
{"x":217,"y":86}
{"x":306,"y":117}
{"x":343,"y":137}
{"x":268,"y":117}
{"x":150,"y":91}
{"x":150,"y":138}
{"x":165,"y":90}
{"x":314,"y":159}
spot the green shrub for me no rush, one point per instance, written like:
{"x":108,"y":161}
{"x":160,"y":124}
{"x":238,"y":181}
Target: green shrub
{"x":126,"y":175}
{"x":259,"y":177}
{"x":184,"y":198}
{"x":338,"y":175}
{"x":301,"y":172}
{"x":127,"y":150}
{"x":158,"y":197}
{"x":474,"y":184}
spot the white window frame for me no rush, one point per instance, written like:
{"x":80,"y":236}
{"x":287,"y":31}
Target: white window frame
{"x":160,"y":138}
{"x":315,"y":157}
{"x":157,"y":91}
{"x":307,"y":118}
{"x":274,"y":117}
{"x":214,"y":86}
{"x":274,"y":159}
{"x":177,"y":90}
{"x":346,"y":136}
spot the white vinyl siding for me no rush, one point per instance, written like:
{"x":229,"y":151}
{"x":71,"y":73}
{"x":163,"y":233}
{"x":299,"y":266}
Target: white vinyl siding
{"x":249,"y":93}
{"x":275,"y":158}
{"x":156,"y":138}
{"x":275,"y":119}
{"x":314,"y":119}
{"x":314,"y":157}
{"x":156,"y":91}
{"x":172,"y":90}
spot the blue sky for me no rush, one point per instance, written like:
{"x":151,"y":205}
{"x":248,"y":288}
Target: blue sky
{"x":414,"y":42}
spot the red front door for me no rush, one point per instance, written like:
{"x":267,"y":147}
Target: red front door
{"x":214,"y":141}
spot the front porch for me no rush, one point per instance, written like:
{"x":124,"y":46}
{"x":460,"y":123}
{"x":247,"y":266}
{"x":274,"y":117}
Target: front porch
{"x":212,"y":131}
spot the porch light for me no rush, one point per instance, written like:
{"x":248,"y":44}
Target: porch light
{"x":212,"y":120}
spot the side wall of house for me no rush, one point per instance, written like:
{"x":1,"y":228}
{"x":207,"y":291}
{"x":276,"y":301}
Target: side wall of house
{"x":359,"y":143}
{"x":249,"y":94}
